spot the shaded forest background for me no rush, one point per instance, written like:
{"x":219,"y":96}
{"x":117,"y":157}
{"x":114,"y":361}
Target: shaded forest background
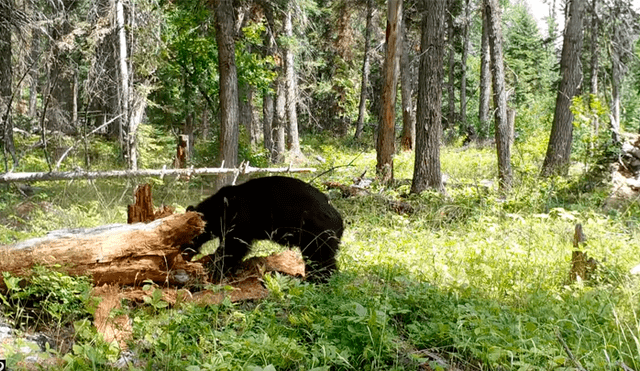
{"x":142,"y":73}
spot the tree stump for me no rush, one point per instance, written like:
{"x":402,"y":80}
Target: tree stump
{"x":142,"y":209}
{"x":582,"y":266}
{"x":181,"y":152}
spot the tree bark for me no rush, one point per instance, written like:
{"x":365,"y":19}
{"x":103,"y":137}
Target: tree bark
{"x":267,"y":95}
{"x":615,"y":95}
{"x":293,"y":142}
{"x":385,"y":147}
{"x":595,"y":48}
{"x":505,"y":174}
{"x":247,"y":114}
{"x":451,"y":95}
{"x":406,"y":90}
{"x":427,"y":173}
{"x":279,"y":121}
{"x":59,"y":94}
{"x":267,"y":121}
{"x":34,"y":56}
{"x":127,"y":135}
{"x":124,"y":254}
{"x":595,"y":61}
{"x":6,"y":75}
{"x":468,"y":129}
{"x":617,"y":68}
{"x":485,"y":77}
{"x":366,"y":67}
{"x":558,"y":156}
{"x":229,"y":115}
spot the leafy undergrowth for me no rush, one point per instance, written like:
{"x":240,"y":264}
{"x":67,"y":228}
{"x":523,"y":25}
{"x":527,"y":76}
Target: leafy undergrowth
{"x":479,"y":280}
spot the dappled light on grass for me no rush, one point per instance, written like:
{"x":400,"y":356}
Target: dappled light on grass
{"x":480,"y":280}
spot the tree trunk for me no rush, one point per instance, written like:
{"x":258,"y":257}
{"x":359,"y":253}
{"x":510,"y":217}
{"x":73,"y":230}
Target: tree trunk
{"x":366,"y":66}
{"x":293,"y":143}
{"x":615,"y":95}
{"x":468,"y":129}
{"x":267,"y":121}
{"x":124,"y":254}
{"x":247,"y":116}
{"x":6,"y":75}
{"x":279,"y":121}
{"x":385,"y":147}
{"x":269,"y":43}
{"x":451,"y":115}
{"x":127,"y":135}
{"x":558,"y":156}
{"x":485,"y":78}
{"x":408,"y":117}
{"x":35,"y":72}
{"x":595,"y":63}
{"x":342,"y":50}
{"x":74,"y":101}
{"x":427,"y":173}
{"x":229,"y":115}
{"x":505,"y":175}
{"x":595,"y":49}
{"x":205,"y":125}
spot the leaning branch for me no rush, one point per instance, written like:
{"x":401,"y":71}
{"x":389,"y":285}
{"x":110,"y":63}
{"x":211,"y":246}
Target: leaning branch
{"x":82,"y":174}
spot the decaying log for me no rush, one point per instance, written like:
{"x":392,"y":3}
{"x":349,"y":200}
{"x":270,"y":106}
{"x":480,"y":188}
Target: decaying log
{"x":124,"y":254}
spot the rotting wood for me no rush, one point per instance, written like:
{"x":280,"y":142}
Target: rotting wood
{"x":246,"y":284}
{"x":112,"y":328}
{"x":82,"y":174}
{"x":582,"y":266}
{"x":142,"y":209}
{"x":181,"y":152}
{"x":124,"y":254}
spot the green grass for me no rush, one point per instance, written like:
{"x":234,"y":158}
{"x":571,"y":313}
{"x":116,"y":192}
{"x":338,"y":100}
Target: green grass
{"x":480,"y":280}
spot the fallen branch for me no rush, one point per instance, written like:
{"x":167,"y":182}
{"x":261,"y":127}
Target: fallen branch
{"x":82,"y":174}
{"x":573,"y":359}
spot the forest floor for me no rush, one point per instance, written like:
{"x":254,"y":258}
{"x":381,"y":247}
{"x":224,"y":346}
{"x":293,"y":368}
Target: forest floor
{"x":469,"y":281}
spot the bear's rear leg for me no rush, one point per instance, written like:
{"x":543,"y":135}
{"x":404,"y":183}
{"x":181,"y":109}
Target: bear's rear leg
{"x":320,"y":256}
{"x":228,"y":256}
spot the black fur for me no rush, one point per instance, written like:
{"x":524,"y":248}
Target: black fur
{"x":285,"y":210}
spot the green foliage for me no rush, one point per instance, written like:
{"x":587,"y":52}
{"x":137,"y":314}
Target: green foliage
{"x":189,"y":73}
{"x":156,"y":148}
{"x":206,"y":152}
{"x":44,"y":296}
{"x":471,"y":276}
{"x":253,"y":68}
{"x":528,"y":64}
{"x":90,"y":351}
{"x":592,"y":142}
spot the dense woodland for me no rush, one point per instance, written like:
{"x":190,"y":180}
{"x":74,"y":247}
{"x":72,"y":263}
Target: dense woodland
{"x":482,"y":143}
{"x":243,"y":79}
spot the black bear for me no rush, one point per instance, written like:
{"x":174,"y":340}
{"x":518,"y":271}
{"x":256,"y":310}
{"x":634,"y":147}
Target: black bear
{"x":285,"y":210}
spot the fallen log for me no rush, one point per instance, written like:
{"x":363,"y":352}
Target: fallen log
{"x":82,"y":174}
{"x":123,"y":254}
